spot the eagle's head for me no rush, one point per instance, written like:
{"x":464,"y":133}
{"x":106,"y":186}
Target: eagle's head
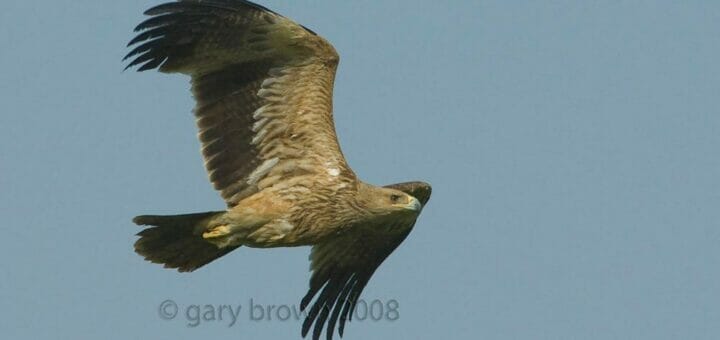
{"x":387,"y":203}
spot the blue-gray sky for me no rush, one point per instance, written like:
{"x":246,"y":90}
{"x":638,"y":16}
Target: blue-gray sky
{"x":572,"y":147}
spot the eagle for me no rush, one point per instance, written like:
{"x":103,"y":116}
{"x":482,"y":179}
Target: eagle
{"x":263,"y":88}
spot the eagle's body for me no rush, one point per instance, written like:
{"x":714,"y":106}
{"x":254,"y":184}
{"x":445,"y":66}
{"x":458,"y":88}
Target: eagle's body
{"x":306,"y":213}
{"x":263,"y":86}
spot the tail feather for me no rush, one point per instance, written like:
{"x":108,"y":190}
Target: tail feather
{"x":176,"y":241}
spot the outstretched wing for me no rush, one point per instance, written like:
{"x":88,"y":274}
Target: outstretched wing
{"x":263,"y":86}
{"x":342,"y":267}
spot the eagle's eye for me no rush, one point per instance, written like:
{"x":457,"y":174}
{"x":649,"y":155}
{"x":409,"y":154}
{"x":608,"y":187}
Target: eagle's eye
{"x":394,"y":198}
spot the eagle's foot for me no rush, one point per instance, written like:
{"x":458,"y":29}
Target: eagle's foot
{"x":215,"y":232}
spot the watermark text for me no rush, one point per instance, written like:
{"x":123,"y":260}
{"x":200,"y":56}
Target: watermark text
{"x":196,"y":314}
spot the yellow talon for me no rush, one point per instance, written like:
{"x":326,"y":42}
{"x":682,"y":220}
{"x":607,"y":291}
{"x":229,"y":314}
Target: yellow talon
{"x":219,"y":231}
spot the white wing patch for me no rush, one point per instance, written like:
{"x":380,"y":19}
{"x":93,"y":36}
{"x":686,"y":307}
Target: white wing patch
{"x":266,"y":125}
{"x":333,"y":171}
{"x":262,"y":170}
{"x":259,"y":124}
{"x":269,"y":118}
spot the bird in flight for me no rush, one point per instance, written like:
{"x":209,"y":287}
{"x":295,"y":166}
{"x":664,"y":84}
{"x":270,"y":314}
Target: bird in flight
{"x":263,"y":87}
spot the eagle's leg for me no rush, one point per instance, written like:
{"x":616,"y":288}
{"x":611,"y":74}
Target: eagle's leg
{"x":276,"y":233}
{"x":233,"y":228}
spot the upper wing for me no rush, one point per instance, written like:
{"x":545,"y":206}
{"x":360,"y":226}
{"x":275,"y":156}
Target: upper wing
{"x":263,"y":86}
{"x":342,"y":267}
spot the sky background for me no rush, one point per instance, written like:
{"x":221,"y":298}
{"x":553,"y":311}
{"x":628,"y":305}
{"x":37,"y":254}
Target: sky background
{"x":572,"y":147}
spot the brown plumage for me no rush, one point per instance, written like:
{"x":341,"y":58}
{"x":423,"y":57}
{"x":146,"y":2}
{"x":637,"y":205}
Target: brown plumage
{"x":263,"y":86}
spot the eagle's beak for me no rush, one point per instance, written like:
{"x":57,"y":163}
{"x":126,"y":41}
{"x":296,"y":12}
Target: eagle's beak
{"x":414,"y":204}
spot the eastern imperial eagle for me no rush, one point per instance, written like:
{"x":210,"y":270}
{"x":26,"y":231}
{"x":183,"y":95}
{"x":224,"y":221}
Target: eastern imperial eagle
{"x":263,"y":86}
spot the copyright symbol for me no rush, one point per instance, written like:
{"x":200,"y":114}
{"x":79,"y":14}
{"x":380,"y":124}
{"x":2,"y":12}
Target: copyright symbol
{"x":168,"y":310}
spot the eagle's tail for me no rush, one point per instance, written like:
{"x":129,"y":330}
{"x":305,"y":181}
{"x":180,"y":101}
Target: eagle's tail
{"x":176,"y":241}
